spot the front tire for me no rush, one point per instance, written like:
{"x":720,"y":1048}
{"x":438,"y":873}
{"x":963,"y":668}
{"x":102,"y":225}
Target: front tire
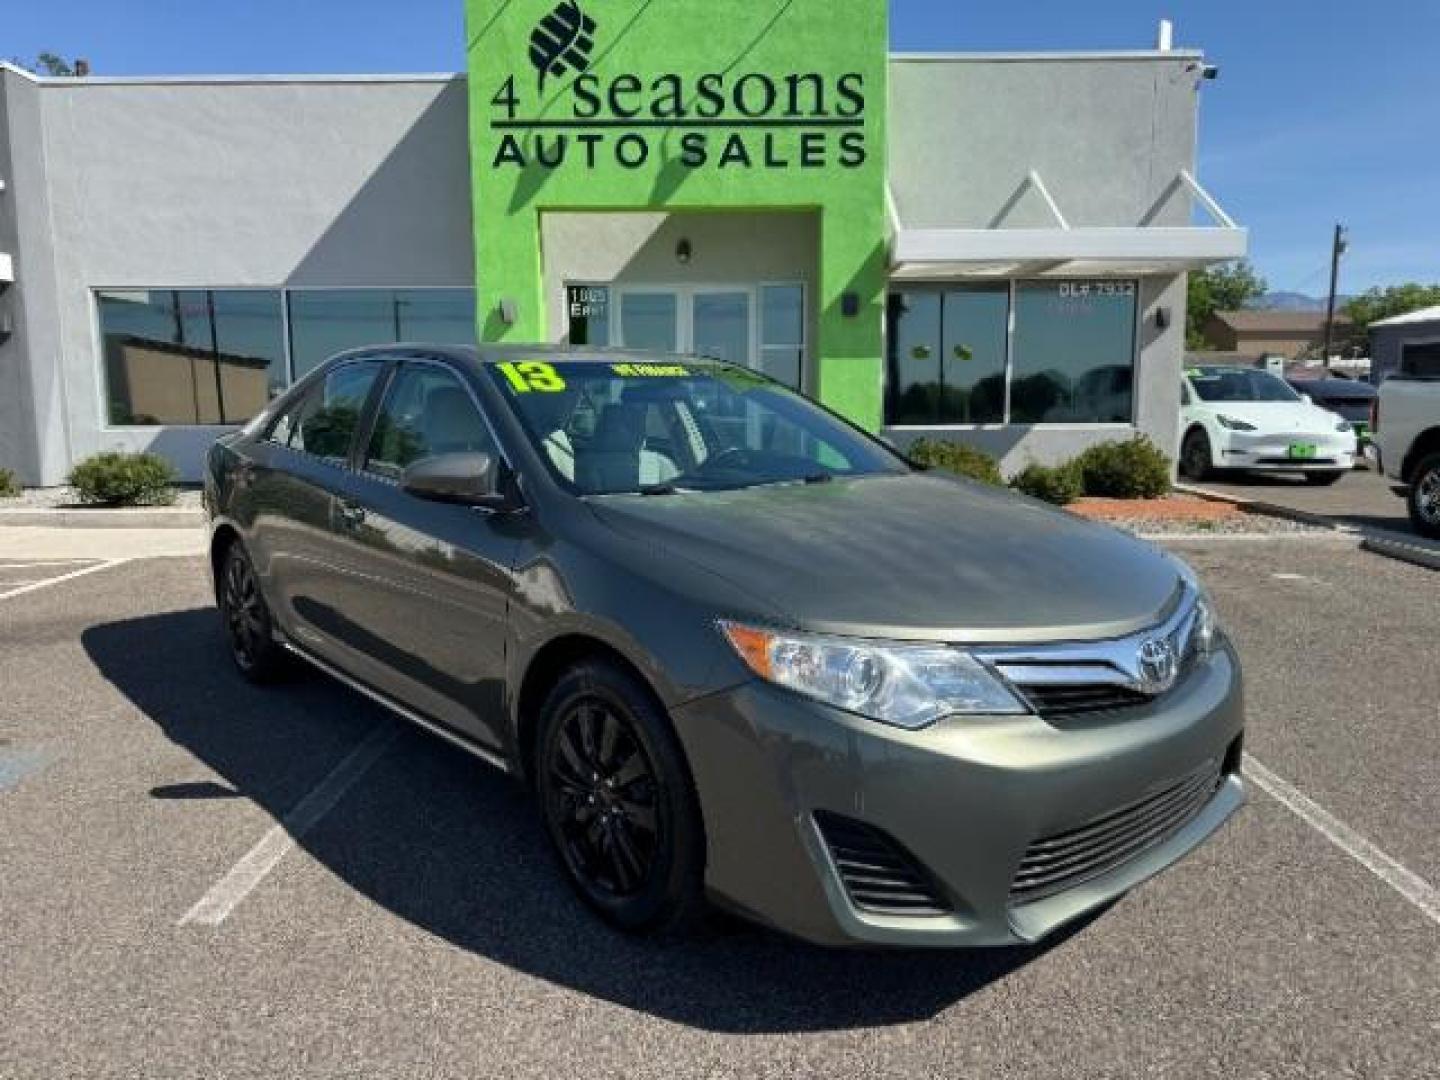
{"x":248,"y":625}
{"x":618,"y":802}
{"x":1323,"y":479}
{"x":1196,"y":460}
{"x":1423,"y":499}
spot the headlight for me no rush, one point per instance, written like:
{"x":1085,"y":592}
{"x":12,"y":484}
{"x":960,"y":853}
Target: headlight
{"x":1233,"y":424}
{"x":909,"y":686}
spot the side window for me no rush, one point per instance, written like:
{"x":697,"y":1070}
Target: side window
{"x":325,"y":422}
{"x":427,"y":411}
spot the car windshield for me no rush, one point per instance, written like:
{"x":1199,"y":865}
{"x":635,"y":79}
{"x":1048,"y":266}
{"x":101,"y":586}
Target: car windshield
{"x":607,"y":428}
{"x":1239,"y":384}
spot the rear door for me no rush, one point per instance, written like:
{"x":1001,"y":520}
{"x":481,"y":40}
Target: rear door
{"x":422,"y":596}
{"x":296,"y":473}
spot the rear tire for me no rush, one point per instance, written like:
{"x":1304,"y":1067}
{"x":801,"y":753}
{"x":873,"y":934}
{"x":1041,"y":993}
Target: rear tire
{"x":1423,"y":498}
{"x":618,"y":802}
{"x":248,"y":626}
{"x":1323,"y":479}
{"x":1196,"y":460}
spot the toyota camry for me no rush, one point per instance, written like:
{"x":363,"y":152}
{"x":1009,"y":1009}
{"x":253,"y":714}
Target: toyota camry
{"x":743,"y":652}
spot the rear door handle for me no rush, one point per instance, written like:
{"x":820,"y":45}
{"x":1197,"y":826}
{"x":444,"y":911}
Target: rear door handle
{"x":351,"y":514}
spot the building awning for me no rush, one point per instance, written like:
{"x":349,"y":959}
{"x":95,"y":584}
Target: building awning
{"x":1063,"y":251}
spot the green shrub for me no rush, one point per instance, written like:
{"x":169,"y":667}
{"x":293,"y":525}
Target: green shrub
{"x":1132,"y":469}
{"x":116,"y":479}
{"x":9,"y":486}
{"x":1058,"y":484}
{"x":957,"y":458}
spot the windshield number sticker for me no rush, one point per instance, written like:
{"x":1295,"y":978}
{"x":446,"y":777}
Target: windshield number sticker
{"x":532,"y":375}
{"x":651,"y":370}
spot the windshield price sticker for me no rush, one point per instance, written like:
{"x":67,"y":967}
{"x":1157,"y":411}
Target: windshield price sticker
{"x":532,"y":375}
{"x":654,"y":371}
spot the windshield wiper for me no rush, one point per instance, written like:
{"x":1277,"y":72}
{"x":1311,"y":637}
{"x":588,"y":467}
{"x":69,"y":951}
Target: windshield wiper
{"x":819,"y":478}
{"x":658,"y":489}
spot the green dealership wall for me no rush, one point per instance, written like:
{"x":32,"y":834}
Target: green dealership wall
{"x":685,"y":105}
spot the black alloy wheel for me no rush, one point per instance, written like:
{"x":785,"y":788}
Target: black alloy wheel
{"x":247,"y":618}
{"x":617,"y":800}
{"x":1195,"y":458}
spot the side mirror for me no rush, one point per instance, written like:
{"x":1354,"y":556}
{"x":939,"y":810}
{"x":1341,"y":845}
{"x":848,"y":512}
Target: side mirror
{"x":469,"y":479}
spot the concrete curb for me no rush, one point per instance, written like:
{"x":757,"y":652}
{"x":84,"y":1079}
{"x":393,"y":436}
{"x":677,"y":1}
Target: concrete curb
{"x":138,"y":517}
{"x":1380,"y":541}
{"x":1401,"y":550}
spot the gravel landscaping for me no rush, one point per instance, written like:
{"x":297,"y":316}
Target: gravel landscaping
{"x":1233,"y":525}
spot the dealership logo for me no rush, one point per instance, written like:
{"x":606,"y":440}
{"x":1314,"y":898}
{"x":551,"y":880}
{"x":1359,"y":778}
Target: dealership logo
{"x":1158,"y":665}
{"x":562,"y":42}
{"x":723,"y":120}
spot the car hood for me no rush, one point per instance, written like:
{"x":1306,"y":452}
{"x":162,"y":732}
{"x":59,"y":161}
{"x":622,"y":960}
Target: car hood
{"x":1277,"y":416}
{"x":922,"y":556}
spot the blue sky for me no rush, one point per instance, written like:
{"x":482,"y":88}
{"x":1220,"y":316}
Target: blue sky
{"x":1322,"y":111}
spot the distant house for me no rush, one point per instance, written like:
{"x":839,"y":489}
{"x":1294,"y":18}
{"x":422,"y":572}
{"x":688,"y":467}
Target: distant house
{"x":1408,"y":343}
{"x":1272,"y":333}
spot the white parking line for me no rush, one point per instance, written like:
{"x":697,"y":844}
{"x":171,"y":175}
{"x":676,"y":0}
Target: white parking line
{"x":223,"y":897}
{"x":63,"y":577}
{"x":6,"y":564}
{"x":1407,"y":883}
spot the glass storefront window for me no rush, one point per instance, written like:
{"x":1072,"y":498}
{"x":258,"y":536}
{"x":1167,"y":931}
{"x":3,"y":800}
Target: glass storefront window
{"x":1071,"y":353}
{"x":324,"y":322}
{"x":1074,"y":352}
{"x":190,"y":356}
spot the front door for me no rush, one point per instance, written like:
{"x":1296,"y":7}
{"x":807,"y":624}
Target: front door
{"x":717,"y":322}
{"x":421,"y":611}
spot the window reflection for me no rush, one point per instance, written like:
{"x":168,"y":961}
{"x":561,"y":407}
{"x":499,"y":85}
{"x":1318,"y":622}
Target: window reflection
{"x":190,"y":356}
{"x":324,"y":322}
{"x":1074,"y":352}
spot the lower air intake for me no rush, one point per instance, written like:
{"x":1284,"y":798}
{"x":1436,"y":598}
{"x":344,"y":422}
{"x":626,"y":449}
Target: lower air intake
{"x":879,"y":875}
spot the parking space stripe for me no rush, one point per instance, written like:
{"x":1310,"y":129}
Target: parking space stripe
{"x":215,"y":906}
{"x":1407,"y":883}
{"x":63,"y":577}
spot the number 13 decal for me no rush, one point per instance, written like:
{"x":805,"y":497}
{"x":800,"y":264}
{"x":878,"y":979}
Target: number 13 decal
{"x":532,"y":375}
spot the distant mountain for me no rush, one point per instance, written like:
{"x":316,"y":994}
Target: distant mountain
{"x":1293,"y":301}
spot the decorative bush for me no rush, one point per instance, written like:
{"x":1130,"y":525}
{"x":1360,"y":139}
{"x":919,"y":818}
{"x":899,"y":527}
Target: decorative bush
{"x":9,"y":486}
{"x":115,"y":479}
{"x":1058,"y":484}
{"x":1132,"y":469}
{"x":957,"y":458}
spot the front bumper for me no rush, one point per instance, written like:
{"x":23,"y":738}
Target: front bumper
{"x":1246,"y":450}
{"x":965,"y":798}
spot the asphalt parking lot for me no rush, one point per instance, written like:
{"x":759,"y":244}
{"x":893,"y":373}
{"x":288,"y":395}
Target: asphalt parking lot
{"x":1363,"y":498}
{"x":198,"y":877}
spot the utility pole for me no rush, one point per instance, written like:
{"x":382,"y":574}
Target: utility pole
{"x":1336,"y":250}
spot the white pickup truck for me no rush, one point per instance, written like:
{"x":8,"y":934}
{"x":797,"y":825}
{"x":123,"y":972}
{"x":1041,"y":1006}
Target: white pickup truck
{"x":1406,"y":444}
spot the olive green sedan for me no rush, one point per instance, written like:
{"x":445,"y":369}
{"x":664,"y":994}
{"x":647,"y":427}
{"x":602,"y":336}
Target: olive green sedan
{"x":744,"y":653}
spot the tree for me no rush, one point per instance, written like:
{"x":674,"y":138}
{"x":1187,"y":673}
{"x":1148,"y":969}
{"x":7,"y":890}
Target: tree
{"x":53,"y":64}
{"x":1377,"y":303}
{"x":1224,"y":288}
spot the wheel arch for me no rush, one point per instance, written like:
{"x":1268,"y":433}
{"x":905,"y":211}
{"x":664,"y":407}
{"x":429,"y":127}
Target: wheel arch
{"x":1423,"y":445}
{"x":543,"y":670}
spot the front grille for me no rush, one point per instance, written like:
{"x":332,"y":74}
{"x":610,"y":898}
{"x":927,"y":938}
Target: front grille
{"x":879,"y":875}
{"x":1078,"y":699}
{"x":1295,"y":461}
{"x":1064,"y":860}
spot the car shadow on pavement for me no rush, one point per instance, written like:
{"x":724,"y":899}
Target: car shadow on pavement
{"x":454,"y":847}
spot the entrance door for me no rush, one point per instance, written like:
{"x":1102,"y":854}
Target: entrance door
{"x":716,"y":322}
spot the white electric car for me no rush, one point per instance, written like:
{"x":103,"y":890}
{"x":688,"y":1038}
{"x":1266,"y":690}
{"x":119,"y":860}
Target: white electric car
{"x":1245,"y":418}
